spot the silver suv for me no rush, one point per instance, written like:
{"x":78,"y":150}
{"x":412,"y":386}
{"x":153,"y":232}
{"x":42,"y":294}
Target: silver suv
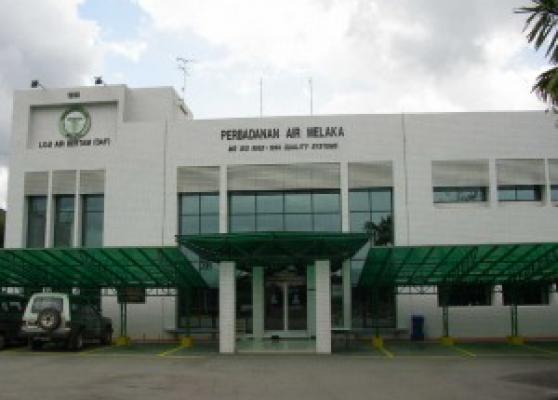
{"x":62,"y":318}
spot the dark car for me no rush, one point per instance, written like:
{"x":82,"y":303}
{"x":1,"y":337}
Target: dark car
{"x":11,"y":312}
{"x":63,"y":318}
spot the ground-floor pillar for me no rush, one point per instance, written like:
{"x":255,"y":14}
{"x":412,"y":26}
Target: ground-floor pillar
{"x":323,"y":307}
{"x":227,"y":307}
{"x":311,"y":300}
{"x":347,"y":294}
{"x":258,"y":302}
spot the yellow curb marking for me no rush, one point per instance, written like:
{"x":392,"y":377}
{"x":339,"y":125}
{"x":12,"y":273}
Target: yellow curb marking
{"x":463,"y":351}
{"x":386,"y":352}
{"x":171,"y":351}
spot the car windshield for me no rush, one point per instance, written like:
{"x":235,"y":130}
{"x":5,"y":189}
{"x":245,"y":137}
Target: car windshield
{"x":40,"y":303}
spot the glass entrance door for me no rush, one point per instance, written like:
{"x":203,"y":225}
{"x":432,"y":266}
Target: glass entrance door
{"x":285,"y":301}
{"x":296,"y":307}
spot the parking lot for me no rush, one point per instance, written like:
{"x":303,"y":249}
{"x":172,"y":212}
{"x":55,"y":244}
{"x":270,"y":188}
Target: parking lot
{"x":167,"y":371}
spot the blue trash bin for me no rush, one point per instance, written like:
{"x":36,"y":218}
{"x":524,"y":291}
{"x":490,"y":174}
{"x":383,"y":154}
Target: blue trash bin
{"x":417,"y":331}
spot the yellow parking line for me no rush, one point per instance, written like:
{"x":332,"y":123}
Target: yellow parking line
{"x":554,"y":353}
{"x":463,"y":351}
{"x":171,"y":351}
{"x":386,"y":352}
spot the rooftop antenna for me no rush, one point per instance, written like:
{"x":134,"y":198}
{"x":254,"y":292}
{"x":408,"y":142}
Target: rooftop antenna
{"x":311,"y":88}
{"x":182,"y":64}
{"x":261,"y":97}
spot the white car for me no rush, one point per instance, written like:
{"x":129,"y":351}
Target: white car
{"x":62,"y":318}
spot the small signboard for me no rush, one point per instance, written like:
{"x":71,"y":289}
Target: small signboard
{"x":131,"y":295}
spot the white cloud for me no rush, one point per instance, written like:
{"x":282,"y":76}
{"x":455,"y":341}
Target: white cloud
{"x":372,"y":55}
{"x":130,"y":49}
{"x":43,"y":40}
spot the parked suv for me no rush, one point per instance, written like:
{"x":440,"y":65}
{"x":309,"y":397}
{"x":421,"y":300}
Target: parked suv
{"x":63,"y":318}
{"x":11,"y":311}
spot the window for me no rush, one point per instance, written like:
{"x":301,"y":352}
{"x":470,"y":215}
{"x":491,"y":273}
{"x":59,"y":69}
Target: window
{"x":526,"y":294}
{"x":554,"y":192}
{"x":41,"y":303}
{"x":198,"y":213}
{"x":63,"y":221}
{"x":92,"y":221}
{"x":520,"y":193}
{"x":459,"y":194}
{"x":285,"y":211}
{"x":36,"y":221}
{"x":465,"y":295}
{"x":371,"y":211}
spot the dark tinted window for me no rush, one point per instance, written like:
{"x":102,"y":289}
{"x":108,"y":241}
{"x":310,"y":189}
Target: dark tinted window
{"x":40,"y":303}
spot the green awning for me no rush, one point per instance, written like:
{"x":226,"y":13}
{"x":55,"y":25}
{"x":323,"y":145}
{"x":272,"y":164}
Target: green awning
{"x":148,"y":267}
{"x":439,"y":265}
{"x":275,"y":248}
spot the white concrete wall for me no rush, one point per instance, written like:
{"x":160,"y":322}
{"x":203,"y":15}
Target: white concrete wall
{"x":150,"y":321}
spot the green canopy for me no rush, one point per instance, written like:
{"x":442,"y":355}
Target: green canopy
{"x":275,"y":248}
{"x":438,"y":265}
{"x":147,"y":267}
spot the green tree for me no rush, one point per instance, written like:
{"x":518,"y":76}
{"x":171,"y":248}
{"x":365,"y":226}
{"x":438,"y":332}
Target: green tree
{"x":381,"y":234}
{"x":542,"y":31}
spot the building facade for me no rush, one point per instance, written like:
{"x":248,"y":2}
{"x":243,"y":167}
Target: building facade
{"x":114,"y":166}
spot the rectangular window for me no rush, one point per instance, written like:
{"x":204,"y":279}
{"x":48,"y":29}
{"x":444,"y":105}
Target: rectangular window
{"x":198,"y":213}
{"x":371,"y":211}
{"x":465,"y":295}
{"x":446,"y":194}
{"x":528,"y":294}
{"x":36,"y":221}
{"x":520,"y":193}
{"x":63,"y":220}
{"x":285,"y":211}
{"x":554,"y":192}
{"x":92,"y":220}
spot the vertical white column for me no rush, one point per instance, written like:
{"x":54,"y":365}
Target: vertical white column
{"x":76,"y":240}
{"x":223,"y":200}
{"x":227,"y":307}
{"x":311,"y":300}
{"x":323,"y":307}
{"x":258,"y":302}
{"x":547,"y":199}
{"x":347,"y":294}
{"x":493,"y":188}
{"x":344,"y":181}
{"x":49,"y":234}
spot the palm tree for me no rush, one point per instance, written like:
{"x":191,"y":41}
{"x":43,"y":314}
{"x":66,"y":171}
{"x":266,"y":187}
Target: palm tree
{"x":542,"y":30}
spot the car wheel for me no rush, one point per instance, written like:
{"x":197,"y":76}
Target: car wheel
{"x":34,"y":344}
{"x":106,"y":339}
{"x":2,"y":341}
{"x":49,"y":319}
{"x":76,"y":342}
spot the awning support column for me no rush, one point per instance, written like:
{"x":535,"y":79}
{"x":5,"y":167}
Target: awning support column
{"x":514,"y":338}
{"x":227,"y":307}
{"x":123,"y":339}
{"x":323,"y":307}
{"x":186,"y":340}
{"x":347,"y":294}
{"x":258,"y":302}
{"x":446,"y":339}
{"x":377,"y":340}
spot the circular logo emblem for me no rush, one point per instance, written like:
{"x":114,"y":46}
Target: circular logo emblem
{"x":75,"y":123}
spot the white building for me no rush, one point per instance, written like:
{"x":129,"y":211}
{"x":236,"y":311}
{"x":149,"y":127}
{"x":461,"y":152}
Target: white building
{"x":113,"y":166}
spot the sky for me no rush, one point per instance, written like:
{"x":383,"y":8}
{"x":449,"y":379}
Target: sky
{"x":363,"y":56}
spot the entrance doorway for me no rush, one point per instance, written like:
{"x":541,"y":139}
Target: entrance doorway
{"x":286,"y":304}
